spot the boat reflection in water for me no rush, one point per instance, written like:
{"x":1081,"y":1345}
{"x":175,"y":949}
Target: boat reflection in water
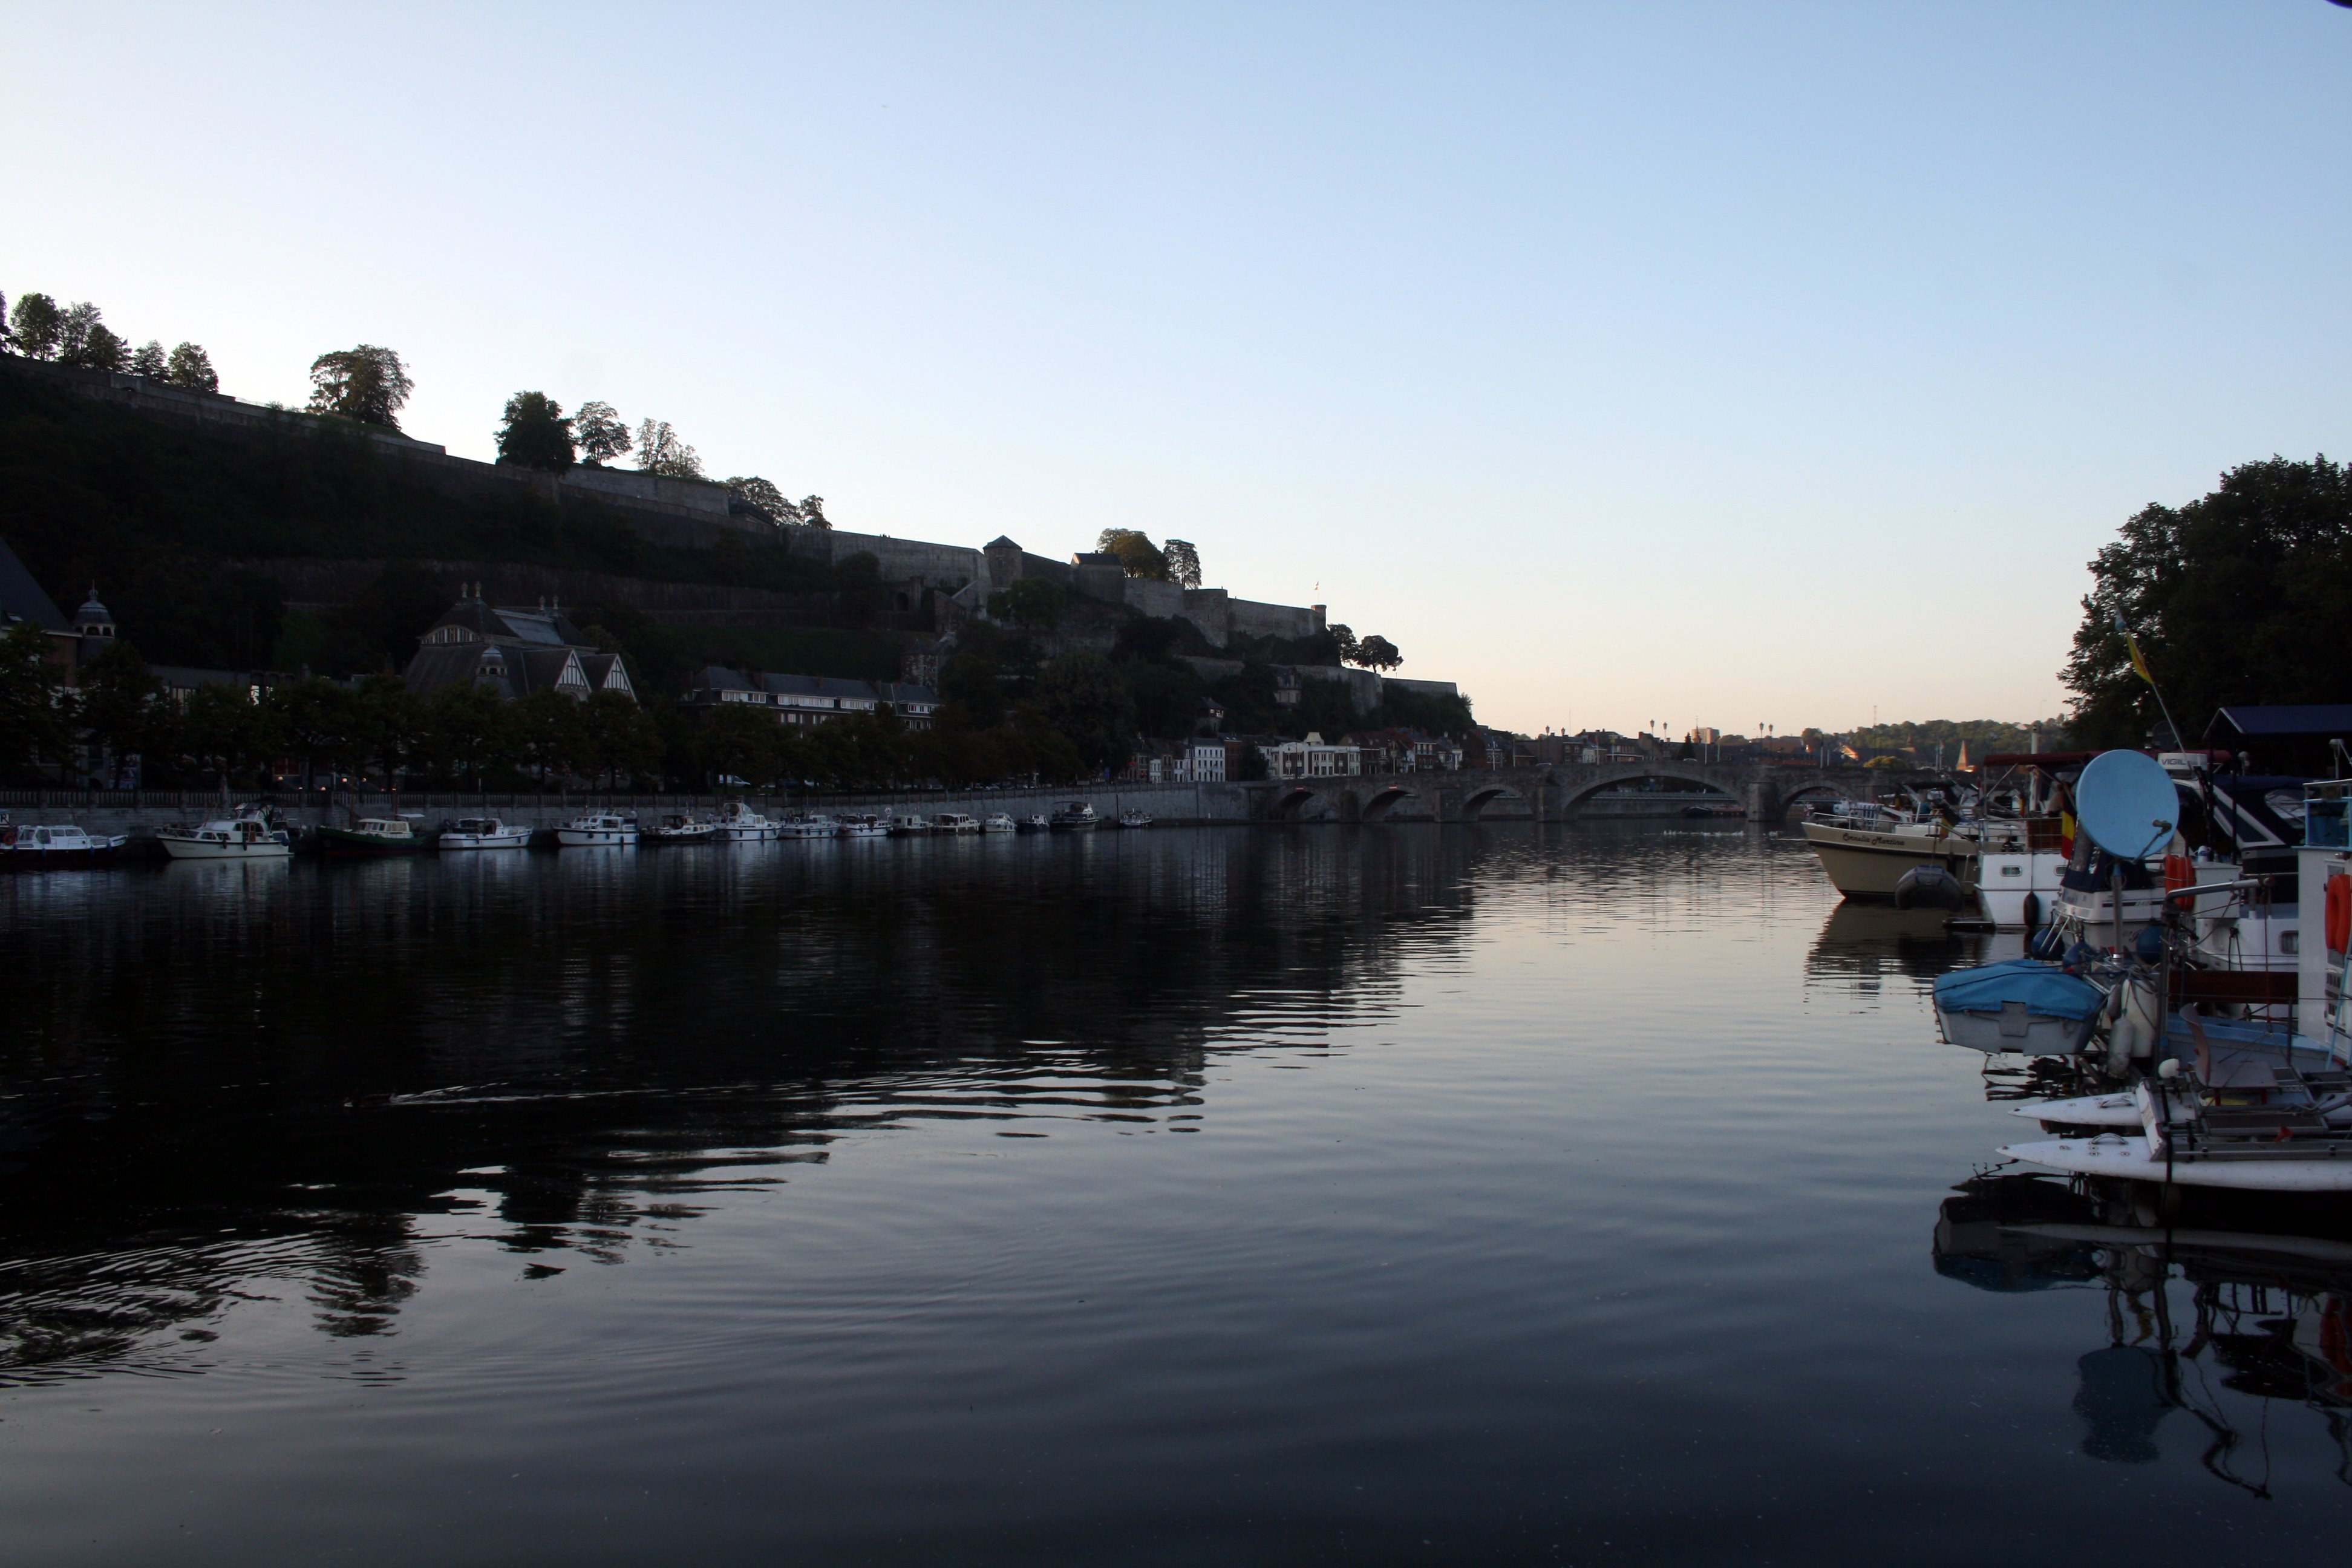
{"x":2210,"y":1322}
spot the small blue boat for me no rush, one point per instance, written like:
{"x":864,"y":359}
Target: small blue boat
{"x":2022,"y":1005}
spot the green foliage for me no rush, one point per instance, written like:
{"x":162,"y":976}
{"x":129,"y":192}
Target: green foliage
{"x":1033,"y":604}
{"x":192,"y":368}
{"x":1981,"y":736}
{"x":33,"y":727}
{"x":535,"y":434}
{"x":1376,"y":652}
{"x":470,"y":731}
{"x":1427,"y":713}
{"x":759,"y":492}
{"x":149,"y":360}
{"x":660,"y":451}
{"x":737,"y":739}
{"x":601,"y":435}
{"x":2242,"y":596}
{"x":35,"y":325}
{"x":1136,"y":553}
{"x":367,"y":383}
{"x":84,"y":340}
{"x":1183,"y":563}
{"x":1082,"y":696}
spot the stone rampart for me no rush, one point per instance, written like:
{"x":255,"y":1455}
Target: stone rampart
{"x":1247,"y":617}
{"x":318,"y":585}
{"x":943,"y":566}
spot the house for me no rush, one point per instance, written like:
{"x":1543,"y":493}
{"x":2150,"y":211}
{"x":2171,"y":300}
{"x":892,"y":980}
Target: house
{"x":1312,"y":758}
{"x":807,"y":700}
{"x":513,"y":652}
{"x":24,"y":602}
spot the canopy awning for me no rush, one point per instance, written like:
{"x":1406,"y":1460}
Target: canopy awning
{"x":2288,"y":719}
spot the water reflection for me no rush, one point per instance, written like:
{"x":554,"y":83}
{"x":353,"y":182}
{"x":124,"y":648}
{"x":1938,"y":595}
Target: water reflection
{"x":2214,"y":1316}
{"x":301,"y":1074}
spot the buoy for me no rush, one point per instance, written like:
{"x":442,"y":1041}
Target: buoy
{"x":2033,"y":914}
{"x":2180,"y":872}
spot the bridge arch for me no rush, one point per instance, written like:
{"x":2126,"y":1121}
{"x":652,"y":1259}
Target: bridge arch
{"x":1475,"y":800}
{"x":1577,"y":794}
{"x":1290,"y":804}
{"x":1377,"y":805}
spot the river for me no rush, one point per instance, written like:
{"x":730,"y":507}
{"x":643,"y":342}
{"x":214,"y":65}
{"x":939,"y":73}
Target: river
{"x":1517,"y":1193}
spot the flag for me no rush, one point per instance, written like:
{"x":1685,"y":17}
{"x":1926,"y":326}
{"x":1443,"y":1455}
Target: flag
{"x":2132,"y":643}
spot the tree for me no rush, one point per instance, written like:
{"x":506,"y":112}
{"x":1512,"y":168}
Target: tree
{"x":391,"y":726}
{"x":1033,"y":604}
{"x":813,"y":511}
{"x":35,"y":326}
{"x":192,"y":368}
{"x":759,"y":492}
{"x":1183,"y":563}
{"x":1343,"y":637}
{"x":2238,"y":596}
{"x":149,"y":360}
{"x":659,"y":451}
{"x":536,"y":435}
{"x":470,"y":729}
{"x":1136,"y":553}
{"x":120,"y":703}
{"x":319,"y":721}
{"x":1376,"y":652}
{"x":1083,"y":697}
{"x":223,"y":728}
{"x":739,"y":741}
{"x":84,"y":340}
{"x":618,"y":736}
{"x":33,"y":727}
{"x":367,"y":383}
{"x":548,"y":728}
{"x":600,"y":433}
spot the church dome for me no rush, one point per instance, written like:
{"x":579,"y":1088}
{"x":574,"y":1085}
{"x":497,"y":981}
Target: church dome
{"x":92,"y":620}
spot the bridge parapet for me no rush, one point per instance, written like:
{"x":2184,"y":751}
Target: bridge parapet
{"x":1550,"y":793}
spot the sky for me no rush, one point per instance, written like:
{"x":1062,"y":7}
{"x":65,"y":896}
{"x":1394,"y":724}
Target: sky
{"x":1630,"y":365}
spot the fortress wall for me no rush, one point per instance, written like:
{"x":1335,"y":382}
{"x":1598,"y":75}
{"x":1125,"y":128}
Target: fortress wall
{"x":695,"y":495}
{"x":1163,"y":600}
{"x":1363,"y":685}
{"x":1422,"y":688}
{"x":1211,"y":609}
{"x":901,"y":559}
{"x":1250,"y":618}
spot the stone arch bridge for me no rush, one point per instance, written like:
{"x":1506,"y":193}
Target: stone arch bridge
{"x":1552,"y":792}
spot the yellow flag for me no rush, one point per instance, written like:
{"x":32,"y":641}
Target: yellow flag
{"x":2132,"y":643}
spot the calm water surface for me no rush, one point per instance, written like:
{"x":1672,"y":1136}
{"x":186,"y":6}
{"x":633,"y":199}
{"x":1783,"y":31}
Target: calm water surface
{"x":1510,"y":1194}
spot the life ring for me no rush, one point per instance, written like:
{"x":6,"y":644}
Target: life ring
{"x":2180,"y":872}
{"x":2340,"y":913}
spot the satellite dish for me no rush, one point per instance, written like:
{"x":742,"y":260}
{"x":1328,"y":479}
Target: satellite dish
{"x":2126,"y":803}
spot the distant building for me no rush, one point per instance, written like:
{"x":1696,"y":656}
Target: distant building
{"x":513,"y":652}
{"x":807,"y":700}
{"x":1312,"y":758}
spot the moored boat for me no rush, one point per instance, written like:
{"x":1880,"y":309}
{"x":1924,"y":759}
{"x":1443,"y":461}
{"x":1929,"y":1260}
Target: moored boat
{"x":246,"y":835}
{"x":54,"y":846}
{"x":999,"y":822}
{"x":1134,"y":817}
{"x":1074,"y":817}
{"x":799,"y":824}
{"x":1035,"y":823}
{"x":954,"y":822}
{"x":371,"y":835}
{"x":677,"y":827}
{"x":597,"y":829}
{"x":739,"y":824}
{"x":865,"y":826}
{"x":481,"y":832}
{"x":909,"y":824}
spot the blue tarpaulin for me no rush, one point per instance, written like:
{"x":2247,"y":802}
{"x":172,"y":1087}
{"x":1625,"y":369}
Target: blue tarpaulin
{"x":2047,"y":991}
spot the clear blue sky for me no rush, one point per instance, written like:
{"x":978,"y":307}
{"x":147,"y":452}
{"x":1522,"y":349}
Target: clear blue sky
{"x":1703,"y":364}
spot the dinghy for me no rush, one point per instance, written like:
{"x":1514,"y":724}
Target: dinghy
{"x":2023,"y":1005}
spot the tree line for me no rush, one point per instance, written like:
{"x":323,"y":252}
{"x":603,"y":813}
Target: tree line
{"x":38,"y":328}
{"x":2238,"y":596}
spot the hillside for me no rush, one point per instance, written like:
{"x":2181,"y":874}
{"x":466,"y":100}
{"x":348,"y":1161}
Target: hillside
{"x":180,"y":528}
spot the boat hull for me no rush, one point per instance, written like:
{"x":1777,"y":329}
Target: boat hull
{"x":2126,"y":1157}
{"x":91,"y":859}
{"x":596,"y":838}
{"x":1861,"y":864}
{"x":342,"y":844}
{"x":207,"y":849}
{"x":450,"y":843}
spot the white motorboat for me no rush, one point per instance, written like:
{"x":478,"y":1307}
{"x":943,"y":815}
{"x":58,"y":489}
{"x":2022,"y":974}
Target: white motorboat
{"x":482,"y":833}
{"x":246,"y":835}
{"x":61,"y":846}
{"x":800,"y":826}
{"x":954,"y":822}
{"x":865,"y":826}
{"x":999,"y":822}
{"x":677,"y":827}
{"x":1134,"y":817}
{"x":739,"y":824}
{"x":597,"y":829}
{"x":909,"y":824}
{"x":1865,"y":849}
{"x":1037,"y":824}
{"x":1074,"y":817}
